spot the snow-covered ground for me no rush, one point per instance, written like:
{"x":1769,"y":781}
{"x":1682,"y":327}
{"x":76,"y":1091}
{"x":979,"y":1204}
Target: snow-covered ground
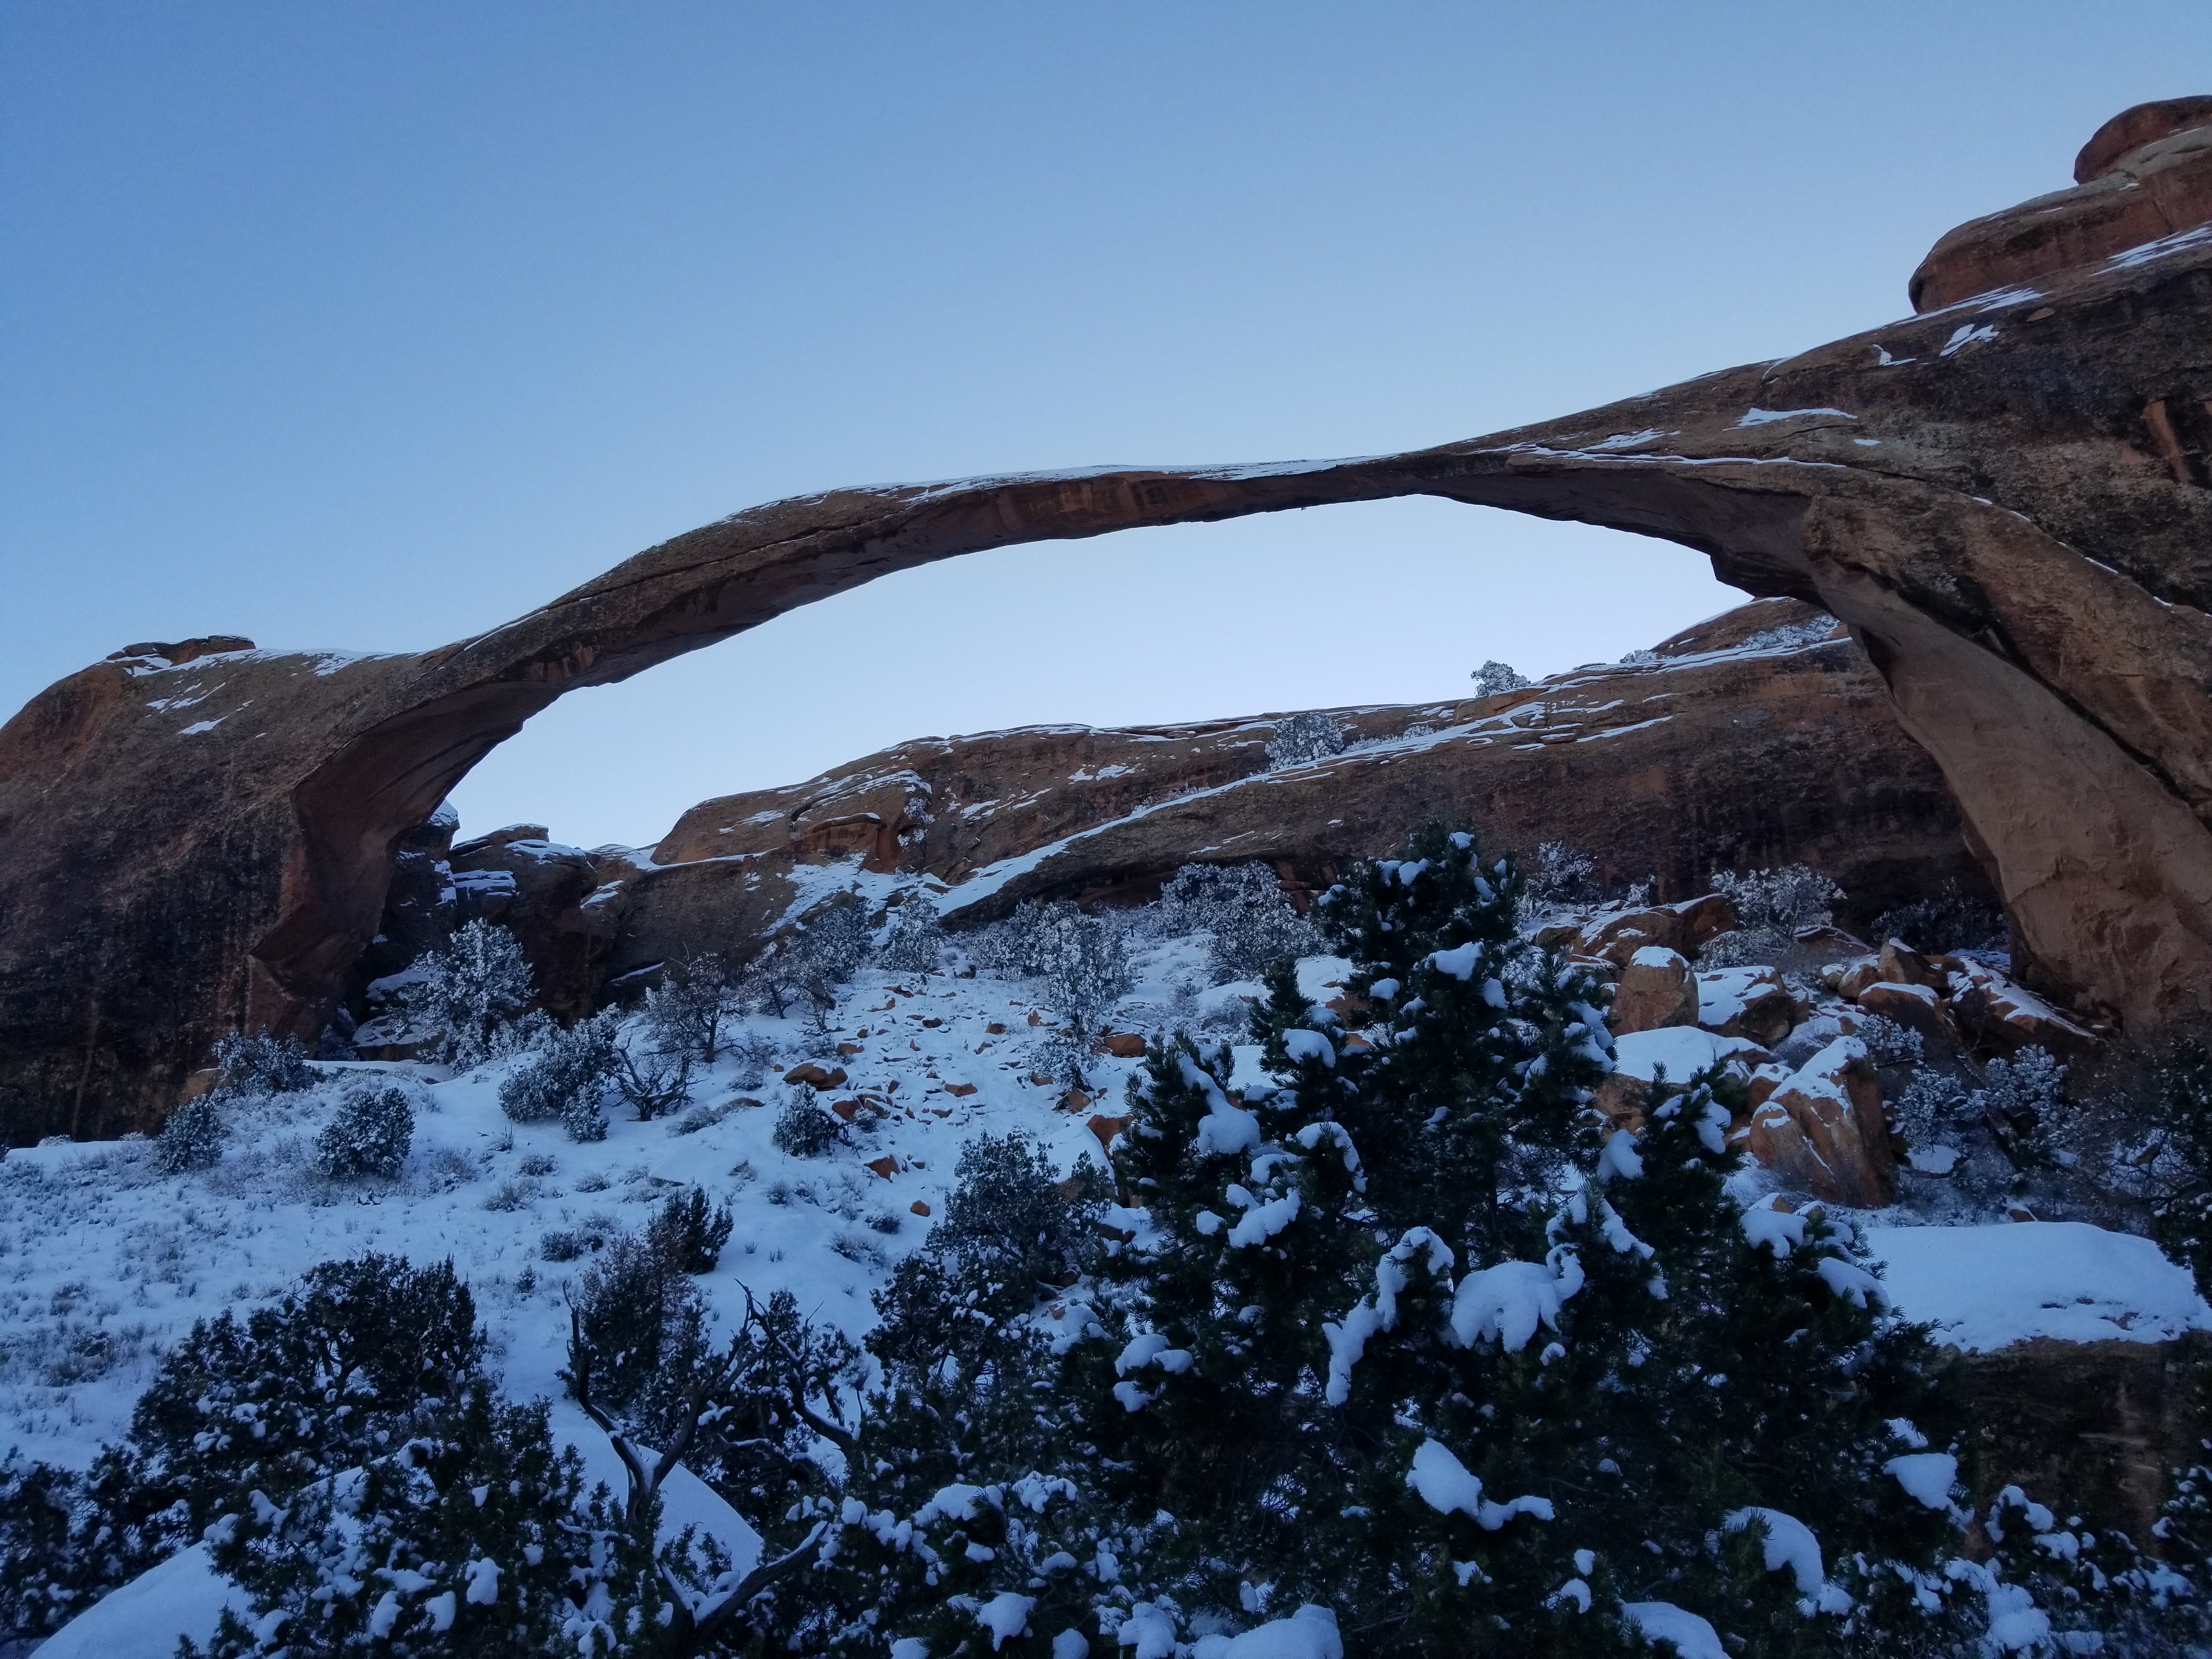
{"x":105,"y":1262}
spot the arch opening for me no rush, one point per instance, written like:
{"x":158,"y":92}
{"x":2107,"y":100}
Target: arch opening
{"x":1376,"y":602}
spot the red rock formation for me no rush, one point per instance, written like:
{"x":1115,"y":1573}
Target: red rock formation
{"x":1713,"y":755}
{"x":2005,"y":501}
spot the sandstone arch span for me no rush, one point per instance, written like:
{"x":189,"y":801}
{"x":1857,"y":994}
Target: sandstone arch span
{"x":2006,"y":500}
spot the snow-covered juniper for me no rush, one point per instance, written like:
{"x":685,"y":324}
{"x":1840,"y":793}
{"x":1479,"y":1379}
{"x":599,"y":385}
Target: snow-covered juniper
{"x":1402,"y":1336}
{"x":365,"y":1354}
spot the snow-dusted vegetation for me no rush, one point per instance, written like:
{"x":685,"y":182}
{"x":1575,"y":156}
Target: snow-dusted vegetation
{"x":1207,"y":1279}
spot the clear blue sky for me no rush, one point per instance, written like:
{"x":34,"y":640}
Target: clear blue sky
{"x":373,"y":324}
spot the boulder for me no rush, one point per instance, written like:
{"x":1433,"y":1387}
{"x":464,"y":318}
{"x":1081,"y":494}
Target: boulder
{"x":815,"y":1077}
{"x":2003,"y":1018}
{"x":1681,"y":927}
{"x":2145,"y":174}
{"x":1121,"y":1045}
{"x":1656,"y":988}
{"x":1619,"y":1100}
{"x":1830,"y":943}
{"x":1848,"y":979}
{"x":1822,"y":1129}
{"x":1913,"y":1007}
{"x":1901,"y":965}
{"x":2104,"y":1423}
{"x":1747,"y":1002}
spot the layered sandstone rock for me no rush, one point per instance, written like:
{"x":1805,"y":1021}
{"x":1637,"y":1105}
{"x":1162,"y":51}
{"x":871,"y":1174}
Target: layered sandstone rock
{"x":1822,"y":1129}
{"x":1730,"y":750}
{"x":2005,"y":499}
{"x":2145,"y":173}
{"x":1656,"y":990}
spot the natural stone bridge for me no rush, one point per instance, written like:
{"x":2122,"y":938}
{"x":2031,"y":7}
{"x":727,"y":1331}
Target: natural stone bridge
{"x":2006,"y":500}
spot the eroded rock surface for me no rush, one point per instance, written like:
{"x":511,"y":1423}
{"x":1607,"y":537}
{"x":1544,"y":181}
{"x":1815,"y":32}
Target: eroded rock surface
{"x":2004,"y":498}
{"x":1749,"y":741}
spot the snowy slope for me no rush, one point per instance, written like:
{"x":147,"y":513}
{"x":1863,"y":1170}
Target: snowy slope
{"x":104,"y":1260}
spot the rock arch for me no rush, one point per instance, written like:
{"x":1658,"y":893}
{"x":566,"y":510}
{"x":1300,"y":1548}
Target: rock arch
{"x":2006,"y":499}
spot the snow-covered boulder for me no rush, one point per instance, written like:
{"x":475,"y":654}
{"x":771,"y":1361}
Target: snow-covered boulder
{"x":1747,"y":1002}
{"x":1822,"y":1129}
{"x":1656,"y":989}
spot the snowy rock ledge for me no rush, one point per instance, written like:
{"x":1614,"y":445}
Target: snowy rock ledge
{"x":1985,"y":1288}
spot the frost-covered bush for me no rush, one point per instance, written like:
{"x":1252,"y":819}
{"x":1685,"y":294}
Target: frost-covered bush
{"x":1301,"y":739}
{"x":1560,"y":876}
{"x":689,"y":1232}
{"x":803,"y":1128}
{"x":264,"y":1065}
{"x":2023,"y":1091}
{"x":1251,"y":924}
{"x":754,"y":1057}
{"x":1789,"y":636}
{"x":808,"y":964}
{"x":1086,"y":969}
{"x":1889,"y":1043}
{"x":192,"y":1137}
{"x":1079,"y":965}
{"x":916,"y":945}
{"x":684,"y":1013}
{"x":366,"y":1354}
{"x":1927,"y":1109}
{"x":369,"y":1135}
{"x":566,"y":1076}
{"x":652,"y":1081}
{"x":1948,"y":919}
{"x":1779,"y":900}
{"x":1495,"y":677}
{"x":1008,"y":1221}
{"x":1771,"y":907}
{"x":466,"y":993}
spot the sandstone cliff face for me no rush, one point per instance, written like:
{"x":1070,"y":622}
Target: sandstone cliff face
{"x":1760,"y":738}
{"x":2005,"y":498}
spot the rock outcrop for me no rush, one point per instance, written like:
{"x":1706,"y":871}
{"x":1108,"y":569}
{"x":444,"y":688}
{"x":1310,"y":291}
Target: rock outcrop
{"x":1749,"y":740}
{"x":2004,"y":498}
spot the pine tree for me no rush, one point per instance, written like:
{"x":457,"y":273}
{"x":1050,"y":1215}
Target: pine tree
{"x":369,"y":1135}
{"x":192,"y":1137}
{"x":1402,"y":1337}
{"x":467,"y":991}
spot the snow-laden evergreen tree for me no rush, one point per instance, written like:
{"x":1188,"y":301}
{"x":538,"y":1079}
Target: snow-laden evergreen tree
{"x":192,"y":1137}
{"x":474,"y":1538}
{"x":366,"y":1354}
{"x":566,"y":1076}
{"x":264,"y":1065}
{"x":1403,"y":1338}
{"x":1251,"y":925}
{"x":369,"y":1135}
{"x":916,"y":943}
{"x":1302,"y":738}
{"x":466,"y":993}
{"x":2184,"y":1091}
{"x":1495,"y":677}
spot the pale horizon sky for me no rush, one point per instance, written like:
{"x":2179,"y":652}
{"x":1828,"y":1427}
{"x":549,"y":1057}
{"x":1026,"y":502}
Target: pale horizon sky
{"x":372,"y":326}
